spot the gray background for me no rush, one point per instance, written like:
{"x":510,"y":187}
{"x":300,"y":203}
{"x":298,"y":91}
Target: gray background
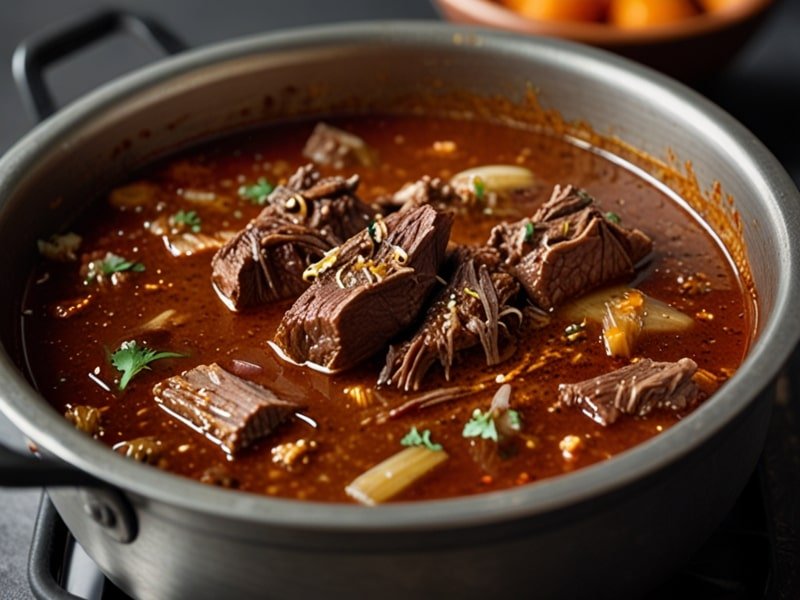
{"x":761,"y":88}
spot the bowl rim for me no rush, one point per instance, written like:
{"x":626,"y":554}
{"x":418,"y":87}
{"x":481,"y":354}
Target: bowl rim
{"x":37,"y":420}
{"x":488,"y":13}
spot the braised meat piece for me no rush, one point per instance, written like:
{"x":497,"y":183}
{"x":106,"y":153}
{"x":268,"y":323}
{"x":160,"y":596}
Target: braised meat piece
{"x":304,"y":218}
{"x":265,"y":262}
{"x":468,"y":311}
{"x":366,"y":291}
{"x":636,"y":389}
{"x":568,"y":248}
{"x":329,"y":205}
{"x":228,"y":410}
{"x":337,"y":148}
{"x":426,"y":190}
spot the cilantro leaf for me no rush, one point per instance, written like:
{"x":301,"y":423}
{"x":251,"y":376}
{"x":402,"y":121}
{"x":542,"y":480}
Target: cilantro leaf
{"x":130,"y":358}
{"x":481,"y":425}
{"x":110,"y":264}
{"x":415,"y":438}
{"x":613,"y":218}
{"x":189,"y":218}
{"x":257,"y":193}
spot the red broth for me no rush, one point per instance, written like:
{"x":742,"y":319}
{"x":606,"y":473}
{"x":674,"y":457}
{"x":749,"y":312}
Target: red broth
{"x":69,"y":357}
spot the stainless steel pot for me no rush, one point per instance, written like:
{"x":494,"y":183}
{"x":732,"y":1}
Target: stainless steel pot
{"x":609,"y":530}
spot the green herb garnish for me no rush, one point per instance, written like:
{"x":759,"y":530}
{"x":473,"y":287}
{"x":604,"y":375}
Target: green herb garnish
{"x":613,"y":217}
{"x":529,"y":229}
{"x":482,"y":424}
{"x":190,"y":218}
{"x":110,"y":264}
{"x":131,"y":358}
{"x":257,"y":193}
{"x":575,"y":331}
{"x":480,"y":188}
{"x":415,"y":438}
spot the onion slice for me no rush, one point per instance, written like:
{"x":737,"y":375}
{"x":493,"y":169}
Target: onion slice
{"x":390,"y":477}
{"x":659,"y":317}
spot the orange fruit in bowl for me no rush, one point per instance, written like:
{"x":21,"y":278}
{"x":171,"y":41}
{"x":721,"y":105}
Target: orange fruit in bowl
{"x":717,"y":5}
{"x":637,"y":14}
{"x":560,"y":10}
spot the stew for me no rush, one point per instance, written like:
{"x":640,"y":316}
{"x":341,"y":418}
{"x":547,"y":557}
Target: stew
{"x":383,"y":308}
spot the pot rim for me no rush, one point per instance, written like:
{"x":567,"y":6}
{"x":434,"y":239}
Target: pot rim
{"x":781,"y":329}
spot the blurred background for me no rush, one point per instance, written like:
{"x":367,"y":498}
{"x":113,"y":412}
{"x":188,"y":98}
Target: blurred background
{"x":759,"y":85}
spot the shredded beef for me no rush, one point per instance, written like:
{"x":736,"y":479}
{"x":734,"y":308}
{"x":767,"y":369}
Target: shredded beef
{"x":568,"y":248}
{"x":227,"y":409}
{"x":468,"y":311}
{"x":304,"y":218}
{"x":636,"y":389}
{"x":366,"y":292}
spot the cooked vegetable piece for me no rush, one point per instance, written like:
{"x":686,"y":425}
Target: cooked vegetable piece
{"x":659,"y":317}
{"x":622,"y":323}
{"x":60,"y":248}
{"x":85,"y":418}
{"x":130,"y":359}
{"x":386,"y":480}
{"x":230,"y":411}
{"x":134,"y":195}
{"x":635,"y":390}
{"x":187,"y":244}
{"x":496,"y":179}
{"x":145,"y":449}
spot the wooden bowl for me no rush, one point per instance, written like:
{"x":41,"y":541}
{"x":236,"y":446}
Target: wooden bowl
{"x":688,"y":49}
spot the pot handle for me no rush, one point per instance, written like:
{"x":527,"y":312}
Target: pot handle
{"x":104,"y":504}
{"x":19,"y":470}
{"x":37,"y":52}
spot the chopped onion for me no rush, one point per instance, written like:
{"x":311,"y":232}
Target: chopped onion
{"x":622,"y":323}
{"x":495,"y":178}
{"x":659,"y":317}
{"x":387,"y":479}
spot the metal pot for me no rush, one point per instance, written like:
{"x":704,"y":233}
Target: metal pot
{"x":609,"y":530}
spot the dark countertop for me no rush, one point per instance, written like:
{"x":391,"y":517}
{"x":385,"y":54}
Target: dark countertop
{"x":761,"y":88}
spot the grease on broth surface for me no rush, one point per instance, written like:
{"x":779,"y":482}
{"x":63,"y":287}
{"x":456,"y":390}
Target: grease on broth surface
{"x":69,"y":356}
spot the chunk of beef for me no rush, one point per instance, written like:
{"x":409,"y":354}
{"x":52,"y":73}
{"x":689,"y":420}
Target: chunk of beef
{"x":467,"y":312}
{"x":228,"y":410}
{"x":426,"y":190}
{"x":366,"y":292}
{"x":265,"y":262}
{"x":304,"y":218}
{"x":568,"y":248}
{"x":329,"y":205}
{"x":636,"y":389}
{"x":337,"y":148}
